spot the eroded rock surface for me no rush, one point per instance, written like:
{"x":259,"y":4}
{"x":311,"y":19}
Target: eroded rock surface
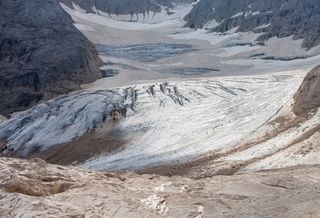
{"x":308,"y":96}
{"x":35,"y":188}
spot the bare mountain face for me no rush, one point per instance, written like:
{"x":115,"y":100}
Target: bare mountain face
{"x":124,"y":7}
{"x":308,"y":96}
{"x":41,"y":54}
{"x":279,"y":18}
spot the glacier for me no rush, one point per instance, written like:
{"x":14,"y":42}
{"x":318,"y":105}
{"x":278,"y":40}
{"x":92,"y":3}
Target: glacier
{"x":162,"y":122}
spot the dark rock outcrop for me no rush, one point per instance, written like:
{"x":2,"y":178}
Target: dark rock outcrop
{"x":308,"y":96}
{"x":280,"y":18}
{"x":42,"y":54}
{"x":124,"y":7}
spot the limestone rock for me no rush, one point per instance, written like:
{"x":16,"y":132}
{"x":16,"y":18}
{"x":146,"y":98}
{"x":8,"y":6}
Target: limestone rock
{"x":36,"y":189}
{"x":308,"y":96}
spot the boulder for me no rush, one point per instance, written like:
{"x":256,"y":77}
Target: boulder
{"x":308,"y":96}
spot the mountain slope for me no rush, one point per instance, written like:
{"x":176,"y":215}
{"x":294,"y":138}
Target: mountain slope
{"x":124,"y":7}
{"x":41,"y":54}
{"x":279,"y":18}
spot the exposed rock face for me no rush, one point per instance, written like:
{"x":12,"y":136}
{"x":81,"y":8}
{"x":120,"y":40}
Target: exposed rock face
{"x":41,"y":53}
{"x":279,"y":18}
{"x":308,"y":96}
{"x":37,"y":189}
{"x":124,"y":7}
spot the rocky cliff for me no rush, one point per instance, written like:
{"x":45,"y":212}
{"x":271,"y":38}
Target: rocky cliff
{"x":308,"y":96}
{"x":279,"y":18}
{"x":41,"y":53}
